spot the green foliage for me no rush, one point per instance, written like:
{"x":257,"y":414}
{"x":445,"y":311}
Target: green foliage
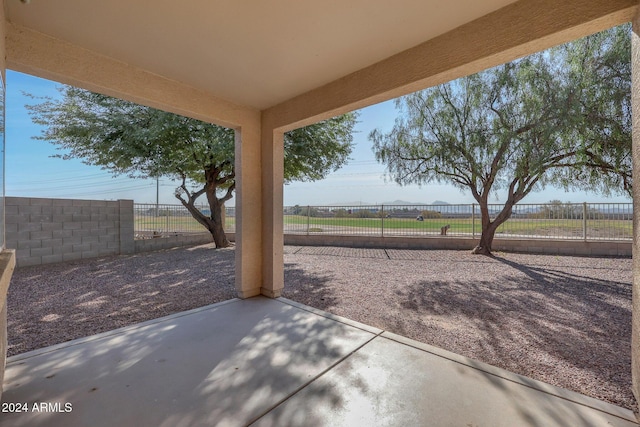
{"x":341,"y":213}
{"x":561,"y":117}
{"x":363,"y":213}
{"x":431,"y":214}
{"x":143,"y":142}
{"x":599,"y":70}
{"x":140,"y":141}
{"x":131,"y":139}
{"x":296,"y":210}
{"x":557,"y":117}
{"x":309,"y":211}
{"x":555,"y":209}
{"x":126,"y":138}
{"x":312,"y":152}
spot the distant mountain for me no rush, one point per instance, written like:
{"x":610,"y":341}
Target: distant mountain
{"x":361,"y":203}
{"x":402,"y":202}
{"x":358,"y":203}
{"x":393,"y":203}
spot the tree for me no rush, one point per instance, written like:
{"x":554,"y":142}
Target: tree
{"x":555,"y":209}
{"x":548,"y":118}
{"x":142,"y":142}
{"x":599,"y":70}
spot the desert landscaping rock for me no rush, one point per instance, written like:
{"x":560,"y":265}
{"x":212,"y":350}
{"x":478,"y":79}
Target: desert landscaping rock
{"x":562,"y":320}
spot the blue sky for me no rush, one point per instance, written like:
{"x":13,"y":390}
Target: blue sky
{"x":31,"y":172}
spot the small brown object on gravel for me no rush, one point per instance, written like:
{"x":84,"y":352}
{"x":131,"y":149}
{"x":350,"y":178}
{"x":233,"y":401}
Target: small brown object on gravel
{"x":558,"y":319}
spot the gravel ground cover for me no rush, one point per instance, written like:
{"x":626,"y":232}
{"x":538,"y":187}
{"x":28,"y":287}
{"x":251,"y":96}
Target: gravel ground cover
{"x":562,"y":320}
{"x":54,"y":303}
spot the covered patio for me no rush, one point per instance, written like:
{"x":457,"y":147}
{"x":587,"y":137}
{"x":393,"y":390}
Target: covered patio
{"x":275,"y":362}
{"x":264,"y":68}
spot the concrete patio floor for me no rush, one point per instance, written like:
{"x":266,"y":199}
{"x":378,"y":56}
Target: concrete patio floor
{"x":267,"y":362}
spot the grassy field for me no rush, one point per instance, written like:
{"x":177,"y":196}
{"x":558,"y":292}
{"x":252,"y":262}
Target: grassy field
{"x":539,"y":227}
{"x":297,"y":223}
{"x":182,"y":224}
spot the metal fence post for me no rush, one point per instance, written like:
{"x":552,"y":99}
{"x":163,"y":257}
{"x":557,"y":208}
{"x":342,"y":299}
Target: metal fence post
{"x":473,"y":220}
{"x":223,"y":216}
{"x":382,"y":218}
{"x":308,"y":218}
{"x":584,"y":221}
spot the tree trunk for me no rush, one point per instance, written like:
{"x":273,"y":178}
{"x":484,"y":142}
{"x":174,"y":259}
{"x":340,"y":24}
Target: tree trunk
{"x":215,"y":225}
{"x":486,"y":240}
{"x":212,"y":223}
{"x":489,"y":228}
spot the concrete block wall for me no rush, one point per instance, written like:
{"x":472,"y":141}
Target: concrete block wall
{"x":46,"y":231}
{"x":542,"y":246}
{"x":148,"y":245}
{"x":126,"y":233}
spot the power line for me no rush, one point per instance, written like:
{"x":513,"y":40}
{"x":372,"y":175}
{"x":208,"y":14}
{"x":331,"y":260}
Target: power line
{"x":114,"y":191}
{"x":77,"y":177}
{"x":355,"y":174}
{"x":70,"y":187}
{"x":363,"y":162}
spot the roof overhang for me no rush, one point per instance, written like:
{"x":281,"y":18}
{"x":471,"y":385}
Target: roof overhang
{"x":297,"y":62}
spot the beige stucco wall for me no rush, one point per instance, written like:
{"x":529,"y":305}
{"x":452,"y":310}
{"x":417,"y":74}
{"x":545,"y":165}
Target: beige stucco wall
{"x":272,"y":213}
{"x":635,"y":104}
{"x":7,"y":257}
{"x":3,"y":27}
{"x":249,"y":222}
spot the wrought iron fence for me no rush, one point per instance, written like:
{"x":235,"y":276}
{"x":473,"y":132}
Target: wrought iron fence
{"x":586,"y":221}
{"x":152,"y":219}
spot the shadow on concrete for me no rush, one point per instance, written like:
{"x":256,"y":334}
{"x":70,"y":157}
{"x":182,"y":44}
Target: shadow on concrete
{"x":226,"y":365}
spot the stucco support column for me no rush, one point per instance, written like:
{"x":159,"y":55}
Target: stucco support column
{"x":248,"y":209}
{"x":635,"y":104}
{"x":272,"y":212}
{"x":7,"y":256}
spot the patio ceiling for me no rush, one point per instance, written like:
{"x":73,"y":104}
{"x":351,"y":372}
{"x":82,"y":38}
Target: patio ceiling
{"x":286,"y":54}
{"x":257,"y":53}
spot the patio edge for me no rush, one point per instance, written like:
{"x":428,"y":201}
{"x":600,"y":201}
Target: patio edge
{"x":113,"y":332}
{"x":540,"y":386}
{"x":330,"y":316}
